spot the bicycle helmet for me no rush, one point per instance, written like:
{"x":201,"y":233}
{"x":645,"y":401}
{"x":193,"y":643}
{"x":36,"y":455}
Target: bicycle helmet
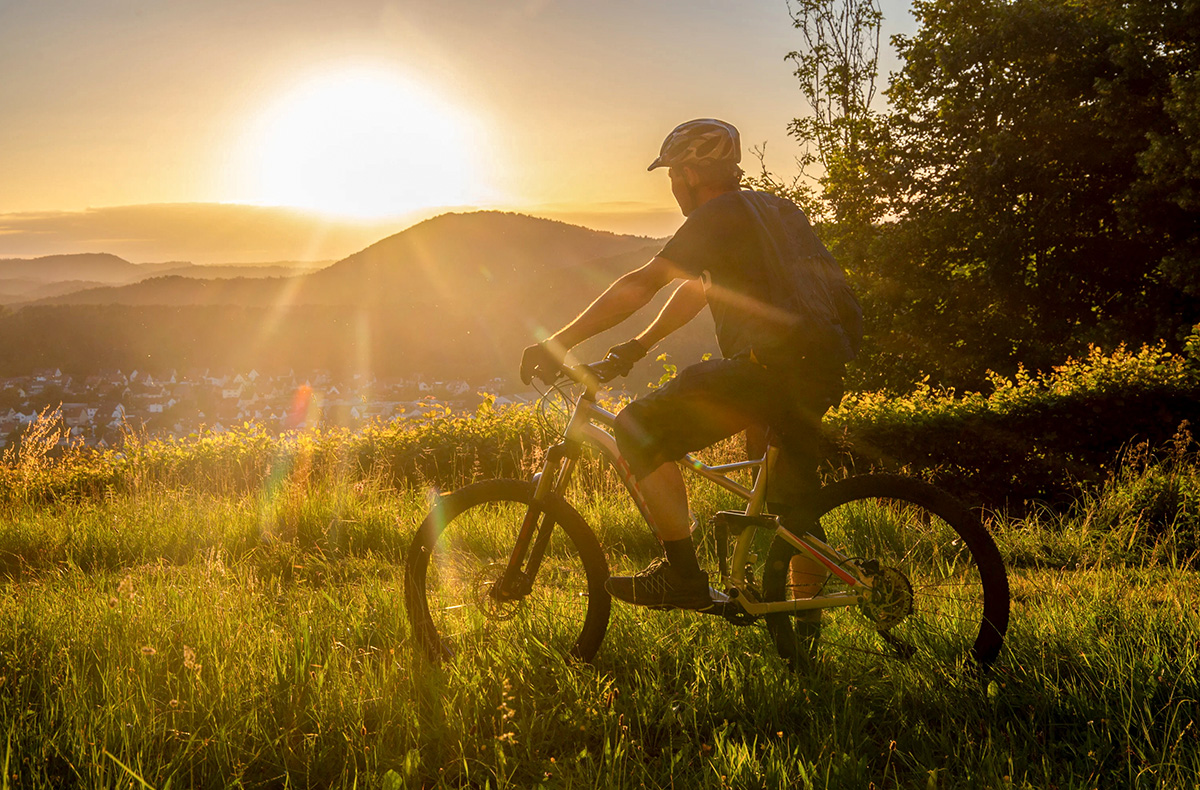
{"x":699,"y":142}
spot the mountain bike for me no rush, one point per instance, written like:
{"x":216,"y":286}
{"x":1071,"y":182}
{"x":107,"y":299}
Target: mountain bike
{"x":513,"y":561}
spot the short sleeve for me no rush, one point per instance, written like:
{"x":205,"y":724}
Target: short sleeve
{"x":693,"y":245}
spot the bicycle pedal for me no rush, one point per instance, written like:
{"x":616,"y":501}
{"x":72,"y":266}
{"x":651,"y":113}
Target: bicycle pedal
{"x":738,"y":520}
{"x":717,"y":597}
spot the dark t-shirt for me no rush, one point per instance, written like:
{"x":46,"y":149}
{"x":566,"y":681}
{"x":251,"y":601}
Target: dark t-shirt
{"x":722,"y":244}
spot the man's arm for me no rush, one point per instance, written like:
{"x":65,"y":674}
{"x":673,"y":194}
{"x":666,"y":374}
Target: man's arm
{"x":623,"y":298}
{"x":620,"y":300}
{"x":687,"y":300}
{"x":683,"y":306}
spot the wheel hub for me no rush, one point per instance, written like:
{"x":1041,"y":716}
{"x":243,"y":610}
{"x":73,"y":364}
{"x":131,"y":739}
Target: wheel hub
{"x":891,"y":598}
{"x":482,"y":586}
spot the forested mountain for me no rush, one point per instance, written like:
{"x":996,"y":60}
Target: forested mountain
{"x":460,"y":294}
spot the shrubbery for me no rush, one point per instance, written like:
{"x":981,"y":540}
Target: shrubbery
{"x":438,"y":450}
{"x":1032,"y":438}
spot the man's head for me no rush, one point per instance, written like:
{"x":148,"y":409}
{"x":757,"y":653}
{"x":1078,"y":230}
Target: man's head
{"x":702,"y":157}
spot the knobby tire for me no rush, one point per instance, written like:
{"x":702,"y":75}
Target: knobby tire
{"x":959,"y":588}
{"x":462,"y":547}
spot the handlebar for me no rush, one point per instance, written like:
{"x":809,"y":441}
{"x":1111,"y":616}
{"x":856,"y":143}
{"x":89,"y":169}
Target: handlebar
{"x":592,"y":374}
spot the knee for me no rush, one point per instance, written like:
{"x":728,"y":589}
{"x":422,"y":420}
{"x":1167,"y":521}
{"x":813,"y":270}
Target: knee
{"x":634,"y":442}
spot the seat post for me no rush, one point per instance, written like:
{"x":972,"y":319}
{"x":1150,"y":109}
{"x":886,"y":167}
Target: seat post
{"x":758,"y":495}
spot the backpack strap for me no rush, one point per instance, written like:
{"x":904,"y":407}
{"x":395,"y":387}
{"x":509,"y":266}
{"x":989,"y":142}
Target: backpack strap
{"x":807,"y":279}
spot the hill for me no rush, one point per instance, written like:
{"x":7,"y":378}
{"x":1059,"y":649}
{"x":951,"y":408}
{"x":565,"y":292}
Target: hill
{"x":451,"y":259}
{"x":459,"y":294}
{"x":98,"y":267}
{"x":51,"y":278}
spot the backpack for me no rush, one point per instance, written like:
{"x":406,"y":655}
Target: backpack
{"x":806,"y":279}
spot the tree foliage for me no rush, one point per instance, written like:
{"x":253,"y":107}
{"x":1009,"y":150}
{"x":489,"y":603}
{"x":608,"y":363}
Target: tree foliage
{"x":1031,"y":188}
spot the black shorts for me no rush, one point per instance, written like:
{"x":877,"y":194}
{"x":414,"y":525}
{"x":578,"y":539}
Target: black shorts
{"x":715,"y":399}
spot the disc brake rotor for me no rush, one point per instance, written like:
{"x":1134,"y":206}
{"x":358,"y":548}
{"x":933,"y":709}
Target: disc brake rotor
{"x":891,"y":599}
{"x":485,"y":579}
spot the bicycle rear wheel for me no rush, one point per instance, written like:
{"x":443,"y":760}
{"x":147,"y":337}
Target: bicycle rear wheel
{"x":461,"y":551}
{"x":941,"y":591}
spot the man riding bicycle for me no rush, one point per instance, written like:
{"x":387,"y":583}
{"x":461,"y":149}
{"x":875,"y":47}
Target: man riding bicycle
{"x":786,"y":325}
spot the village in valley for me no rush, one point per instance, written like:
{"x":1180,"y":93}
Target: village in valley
{"x":99,"y":409}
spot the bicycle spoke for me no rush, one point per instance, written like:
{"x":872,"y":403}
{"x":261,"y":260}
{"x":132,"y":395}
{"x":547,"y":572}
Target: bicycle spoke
{"x":460,"y":557}
{"x":931,"y":597}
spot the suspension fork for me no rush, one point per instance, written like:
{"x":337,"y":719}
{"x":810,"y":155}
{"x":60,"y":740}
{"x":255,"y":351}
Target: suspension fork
{"x":537,"y":527}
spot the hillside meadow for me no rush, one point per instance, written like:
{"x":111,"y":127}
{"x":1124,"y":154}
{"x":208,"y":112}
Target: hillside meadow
{"x":226,"y":610}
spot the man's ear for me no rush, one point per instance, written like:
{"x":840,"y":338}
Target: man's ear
{"x":690,"y":176}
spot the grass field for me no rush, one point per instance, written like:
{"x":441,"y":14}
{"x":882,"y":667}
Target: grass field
{"x":163,"y":635}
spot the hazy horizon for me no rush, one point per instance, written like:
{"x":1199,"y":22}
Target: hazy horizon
{"x":367,"y":116}
{"x":212,"y":233}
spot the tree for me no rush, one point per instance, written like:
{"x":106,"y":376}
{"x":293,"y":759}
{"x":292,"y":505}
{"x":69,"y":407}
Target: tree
{"x":837,"y":69}
{"x":1031,"y":188}
{"x":1027,"y":224}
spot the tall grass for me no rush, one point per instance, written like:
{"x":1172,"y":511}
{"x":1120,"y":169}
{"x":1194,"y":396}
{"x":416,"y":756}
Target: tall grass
{"x":165,"y":629}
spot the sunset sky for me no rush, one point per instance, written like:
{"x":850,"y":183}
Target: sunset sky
{"x":370,"y":110}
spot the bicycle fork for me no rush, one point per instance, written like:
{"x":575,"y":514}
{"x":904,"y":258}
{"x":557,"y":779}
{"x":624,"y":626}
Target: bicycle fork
{"x":536,"y":528}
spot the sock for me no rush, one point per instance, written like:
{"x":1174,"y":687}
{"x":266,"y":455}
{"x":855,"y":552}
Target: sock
{"x":682,"y":556}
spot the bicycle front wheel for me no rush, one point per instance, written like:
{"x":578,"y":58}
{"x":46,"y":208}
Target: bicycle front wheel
{"x":940,"y":591}
{"x":460,"y":553}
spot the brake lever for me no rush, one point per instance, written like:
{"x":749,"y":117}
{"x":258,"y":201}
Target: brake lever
{"x":605,"y":370}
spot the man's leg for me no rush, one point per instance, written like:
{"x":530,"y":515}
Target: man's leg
{"x":797,"y":482}
{"x":790,"y":490}
{"x":678,"y":582}
{"x":700,"y":406}
{"x":666,"y":499}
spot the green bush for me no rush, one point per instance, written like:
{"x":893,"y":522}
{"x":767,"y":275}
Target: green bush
{"x":1033,"y":438}
{"x":1039,"y":438}
{"x":1150,"y":507}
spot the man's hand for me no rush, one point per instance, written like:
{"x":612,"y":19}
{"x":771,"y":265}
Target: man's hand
{"x":540,"y":361}
{"x":626,"y":355}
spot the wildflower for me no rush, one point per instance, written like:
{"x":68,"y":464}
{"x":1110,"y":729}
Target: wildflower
{"x":174,"y":703}
{"x":112,"y":602}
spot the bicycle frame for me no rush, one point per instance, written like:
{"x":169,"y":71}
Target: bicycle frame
{"x":591,"y":424}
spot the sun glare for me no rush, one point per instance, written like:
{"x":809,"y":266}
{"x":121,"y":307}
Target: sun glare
{"x":364,"y":143}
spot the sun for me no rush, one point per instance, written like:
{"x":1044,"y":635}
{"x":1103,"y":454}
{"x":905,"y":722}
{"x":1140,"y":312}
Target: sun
{"x":363,"y":143}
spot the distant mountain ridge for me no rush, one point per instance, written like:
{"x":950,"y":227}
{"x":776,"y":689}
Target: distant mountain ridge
{"x":459,"y":294}
{"x":98,"y":267}
{"x":452,"y":258}
{"x":24,"y":280}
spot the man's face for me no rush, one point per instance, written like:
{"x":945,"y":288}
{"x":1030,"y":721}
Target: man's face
{"x":685,"y":193}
